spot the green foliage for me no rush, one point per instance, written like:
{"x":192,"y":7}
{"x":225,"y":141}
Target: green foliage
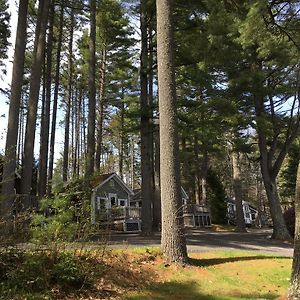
{"x":29,"y":274}
{"x":216,"y":198}
{"x":35,"y":273}
{"x":66,"y":217}
{"x":58,"y":222}
{"x":67,"y":271}
{"x":288,"y":175}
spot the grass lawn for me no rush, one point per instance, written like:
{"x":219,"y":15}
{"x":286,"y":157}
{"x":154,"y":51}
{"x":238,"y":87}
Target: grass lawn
{"x":141,"y":274}
{"x":220,"y":275}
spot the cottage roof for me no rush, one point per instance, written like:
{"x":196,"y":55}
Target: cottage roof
{"x":137,"y":195}
{"x":103,"y":178}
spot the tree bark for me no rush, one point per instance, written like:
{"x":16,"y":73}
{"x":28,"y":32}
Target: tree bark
{"x":294,"y":290}
{"x":204,"y":170}
{"x":146,"y":161}
{"x":157,"y":198}
{"x":270,"y":162}
{"x":45,"y":119}
{"x":101,"y":108}
{"x":68,"y":104}
{"x":8,"y":179}
{"x":122,"y":136}
{"x":132,"y":163}
{"x":173,"y":239}
{"x":269,"y":173}
{"x":55,"y":99}
{"x":77,"y":120}
{"x":90,"y":159}
{"x":238,"y":193}
{"x":37,"y":64}
{"x":197,"y":172}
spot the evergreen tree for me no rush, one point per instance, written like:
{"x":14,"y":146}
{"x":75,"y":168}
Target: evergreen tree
{"x":216,"y":198}
{"x":14,"y":109}
{"x":173,"y":240}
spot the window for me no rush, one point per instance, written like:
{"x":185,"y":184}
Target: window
{"x":100,"y":203}
{"x":113,"y":199}
{"x":122,"y":202}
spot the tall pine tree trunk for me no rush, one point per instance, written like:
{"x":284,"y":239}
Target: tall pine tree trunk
{"x":37,"y":63}
{"x":157,"y":198}
{"x":68,"y":104}
{"x":45,"y":119}
{"x":173,"y":239}
{"x":238,"y":193}
{"x":90,"y":159}
{"x":55,"y":99}
{"x":132,"y":163}
{"x":146,"y":161}
{"x":269,"y":172}
{"x":270,"y":165}
{"x":197,"y":171}
{"x":101,"y":108}
{"x":122,"y":137}
{"x":13,"y":116}
{"x":77,"y":135}
{"x":204,"y":170}
{"x":294,"y":290}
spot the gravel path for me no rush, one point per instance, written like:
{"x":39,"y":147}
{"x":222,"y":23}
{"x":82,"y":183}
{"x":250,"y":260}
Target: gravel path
{"x":202,"y":240}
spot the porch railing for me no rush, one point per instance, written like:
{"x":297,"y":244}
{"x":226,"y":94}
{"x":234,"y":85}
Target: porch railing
{"x":195,"y":209}
{"x":120,"y":212}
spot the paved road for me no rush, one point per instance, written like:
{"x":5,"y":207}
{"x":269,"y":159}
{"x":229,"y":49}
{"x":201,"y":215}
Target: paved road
{"x":201,"y":240}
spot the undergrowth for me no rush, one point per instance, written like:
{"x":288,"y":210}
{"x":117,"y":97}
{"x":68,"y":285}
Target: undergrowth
{"x":71,"y":274}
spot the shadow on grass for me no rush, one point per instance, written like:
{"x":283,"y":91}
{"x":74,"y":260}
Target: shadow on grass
{"x":218,"y":261}
{"x":188,"y":291}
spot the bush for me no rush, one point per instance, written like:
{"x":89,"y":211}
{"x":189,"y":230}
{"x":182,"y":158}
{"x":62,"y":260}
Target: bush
{"x":37,"y":272}
{"x":56,"y":222}
{"x":67,"y":271}
{"x":30,"y":275}
{"x":65,"y":216}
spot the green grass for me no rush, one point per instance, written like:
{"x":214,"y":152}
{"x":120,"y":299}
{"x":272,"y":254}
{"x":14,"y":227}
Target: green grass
{"x":220,"y":276}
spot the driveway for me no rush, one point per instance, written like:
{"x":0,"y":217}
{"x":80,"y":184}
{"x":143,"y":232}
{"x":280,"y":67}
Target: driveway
{"x":202,"y":240}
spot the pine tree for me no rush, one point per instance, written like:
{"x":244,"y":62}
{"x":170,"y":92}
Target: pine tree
{"x":14,"y":109}
{"x":173,"y":240}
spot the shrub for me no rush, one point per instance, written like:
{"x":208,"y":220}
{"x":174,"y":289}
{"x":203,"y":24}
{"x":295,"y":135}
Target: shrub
{"x":66,"y":216}
{"x":30,"y":275}
{"x":67,"y":271}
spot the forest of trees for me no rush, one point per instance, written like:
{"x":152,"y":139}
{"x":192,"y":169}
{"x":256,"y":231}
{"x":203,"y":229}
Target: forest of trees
{"x":203,"y":94}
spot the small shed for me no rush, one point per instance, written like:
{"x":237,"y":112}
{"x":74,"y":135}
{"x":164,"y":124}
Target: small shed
{"x":110,"y":204}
